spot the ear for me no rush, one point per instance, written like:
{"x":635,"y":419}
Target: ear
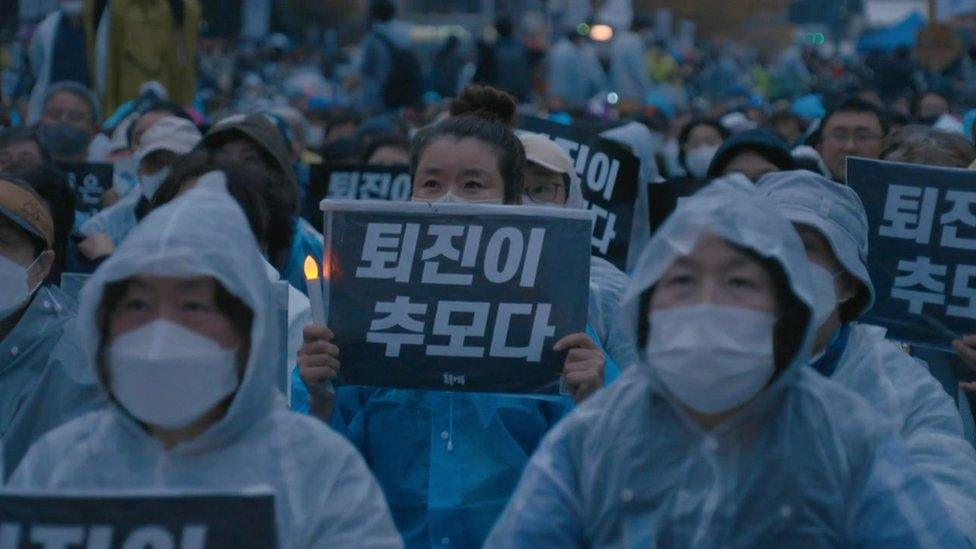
{"x":41,"y":268}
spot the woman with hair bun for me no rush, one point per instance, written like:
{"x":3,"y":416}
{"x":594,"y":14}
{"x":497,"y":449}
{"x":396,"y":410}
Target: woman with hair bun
{"x":448,"y":462}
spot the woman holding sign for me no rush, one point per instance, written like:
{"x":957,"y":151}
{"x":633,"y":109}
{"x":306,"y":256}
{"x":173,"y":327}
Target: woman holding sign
{"x":181,"y":329}
{"x":448,"y":462}
{"x":722,"y":436}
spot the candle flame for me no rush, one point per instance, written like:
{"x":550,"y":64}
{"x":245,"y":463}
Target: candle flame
{"x":311,"y":268}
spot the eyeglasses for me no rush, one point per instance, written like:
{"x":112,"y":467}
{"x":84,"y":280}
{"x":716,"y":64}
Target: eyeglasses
{"x":544,"y":193}
{"x":860,"y":138}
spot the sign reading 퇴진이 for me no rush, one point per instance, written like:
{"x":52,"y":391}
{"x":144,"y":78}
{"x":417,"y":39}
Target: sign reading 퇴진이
{"x":454,"y":296}
{"x":922,"y":257}
{"x":609,"y":175}
{"x":355,"y":182}
{"x":146,"y":521}
{"x":89,"y":180}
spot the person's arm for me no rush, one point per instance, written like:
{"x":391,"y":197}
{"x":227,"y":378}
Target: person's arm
{"x":585,"y":365}
{"x":318,"y":364}
{"x":966,"y":349}
{"x":545,"y":510}
{"x":896,"y":506}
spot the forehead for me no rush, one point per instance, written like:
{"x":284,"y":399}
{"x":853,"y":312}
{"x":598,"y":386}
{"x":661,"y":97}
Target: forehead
{"x":146,"y":282}
{"x":67,"y":100}
{"x":455,"y":153}
{"x":703,"y":131}
{"x":853,"y":119}
{"x":712,"y":250}
{"x":750,"y":158}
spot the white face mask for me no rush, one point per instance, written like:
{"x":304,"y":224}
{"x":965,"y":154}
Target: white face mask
{"x":15,"y":289}
{"x":824,"y":293}
{"x":697,"y":160}
{"x":711,"y":357}
{"x":450,"y":198}
{"x":149,"y":184}
{"x":169,"y":376}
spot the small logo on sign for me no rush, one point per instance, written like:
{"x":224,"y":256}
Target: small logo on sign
{"x":451,"y":380}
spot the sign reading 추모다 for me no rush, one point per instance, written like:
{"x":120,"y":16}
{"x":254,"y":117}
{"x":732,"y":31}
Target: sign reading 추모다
{"x":454,"y":296}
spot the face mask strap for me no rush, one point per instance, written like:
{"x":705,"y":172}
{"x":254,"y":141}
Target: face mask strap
{"x":27,"y":270}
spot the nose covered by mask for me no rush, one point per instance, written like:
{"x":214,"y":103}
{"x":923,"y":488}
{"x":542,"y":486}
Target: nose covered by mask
{"x":825,"y":296}
{"x":149,"y":184}
{"x":63,"y":139}
{"x":450,"y":198}
{"x":169,"y":376}
{"x":699,"y":159}
{"x":14,"y":286}
{"x":712,"y":358}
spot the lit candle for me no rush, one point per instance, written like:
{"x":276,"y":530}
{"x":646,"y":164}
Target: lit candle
{"x":314,"y":283}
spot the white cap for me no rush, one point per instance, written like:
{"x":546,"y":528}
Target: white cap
{"x":541,"y":150}
{"x":171,"y":133}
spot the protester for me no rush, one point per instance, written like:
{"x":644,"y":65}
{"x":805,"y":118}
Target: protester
{"x":387,"y":150}
{"x":929,"y":106}
{"x":51,"y":185}
{"x":255,"y":140}
{"x":43,"y":382}
{"x":722,"y":411}
{"x":753,"y":153}
{"x":484,"y":439}
{"x":699,"y":141}
{"x":511,"y":61}
{"x":629,"y":77}
{"x":551,"y":180}
{"x":853,"y":128}
{"x":158,"y":147}
{"x":575,"y":75}
{"x":445,"y":72}
{"x":928,"y":146}
{"x":57,"y":53}
{"x":182,"y":336}
{"x":150,"y":40}
{"x":20,"y":146}
{"x":386,"y":81}
{"x":69,"y":122}
{"x":833,"y":225}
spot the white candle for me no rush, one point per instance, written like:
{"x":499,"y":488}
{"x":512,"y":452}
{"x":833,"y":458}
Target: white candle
{"x":314,"y":283}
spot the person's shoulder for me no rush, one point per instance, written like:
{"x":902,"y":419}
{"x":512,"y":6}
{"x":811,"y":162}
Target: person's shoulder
{"x":317,"y":440}
{"x":75,"y":435}
{"x":608,"y":407}
{"x":869,"y":344}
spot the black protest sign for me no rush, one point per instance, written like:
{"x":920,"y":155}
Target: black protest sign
{"x":454,"y":296}
{"x":104,"y":522}
{"x":609,"y":174}
{"x":355,"y":182}
{"x":664,"y":198}
{"x":922,"y":257}
{"x":89,"y":180}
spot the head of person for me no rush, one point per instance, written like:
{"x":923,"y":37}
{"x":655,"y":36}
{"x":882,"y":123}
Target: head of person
{"x":159,"y":146}
{"x":853,"y":128}
{"x":179,"y":323}
{"x":929,"y":106}
{"x":52,"y":186}
{"x":722,"y":301}
{"x":924,"y":145}
{"x":153,"y":112}
{"x":21,"y":146}
{"x":549,"y":178}
{"x":382,"y":11}
{"x":265,"y":207}
{"x":72,"y":8}
{"x":504,"y":26}
{"x":69,"y":121}
{"x":831,"y":220}
{"x":698,"y":142}
{"x":387,"y":150}
{"x":473,"y":156}
{"x":26,"y":239}
{"x":753,"y":153}
{"x":787,"y":125}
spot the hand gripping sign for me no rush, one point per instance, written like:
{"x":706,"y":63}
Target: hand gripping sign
{"x":170,"y":521}
{"x":922,"y":257}
{"x":454,"y":296}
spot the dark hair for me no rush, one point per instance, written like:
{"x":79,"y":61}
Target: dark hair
{"x":789,"y":330}
{"x":15,"y":135}
{"x":248,"y":186}
{"x":852,"y":105}
{"x":376,"y":142}
{"x":234,"y":309}
{"x":382,"y":10}
{"x":170,"y":107}
{"x":504,"y":27}
{"x":486,"y":114}
{"x":52,"y":187}
{"x":685,"y":134}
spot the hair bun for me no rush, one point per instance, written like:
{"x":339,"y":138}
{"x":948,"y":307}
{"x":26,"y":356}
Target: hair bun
{"x":485,"y":102}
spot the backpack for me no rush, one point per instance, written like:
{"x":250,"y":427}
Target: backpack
{"x":404,"y":85}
